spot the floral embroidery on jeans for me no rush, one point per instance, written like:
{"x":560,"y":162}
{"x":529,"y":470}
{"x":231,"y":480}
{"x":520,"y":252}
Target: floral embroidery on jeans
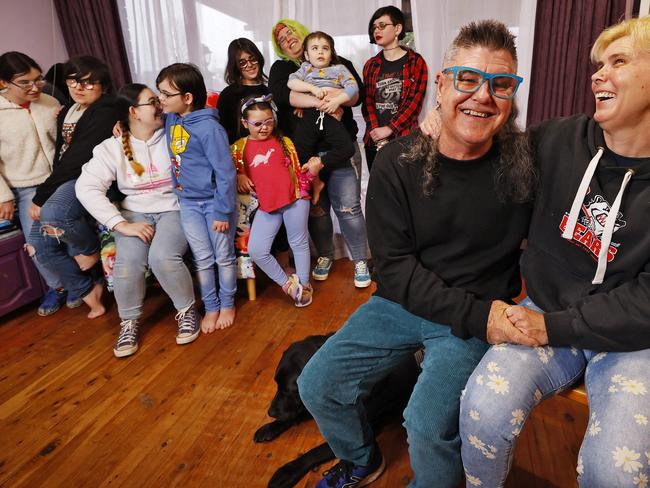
{"x":627,"y":459}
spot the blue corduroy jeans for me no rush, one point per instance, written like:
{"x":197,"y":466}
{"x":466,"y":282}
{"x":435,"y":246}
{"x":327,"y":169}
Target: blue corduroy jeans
{"x":373,"y":341}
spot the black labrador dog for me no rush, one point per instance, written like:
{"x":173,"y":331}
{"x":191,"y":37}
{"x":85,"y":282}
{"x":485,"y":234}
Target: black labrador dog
{"x":386,"y":401}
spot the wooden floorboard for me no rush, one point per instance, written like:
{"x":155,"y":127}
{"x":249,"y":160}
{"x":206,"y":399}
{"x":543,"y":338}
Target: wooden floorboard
{"x":72,"y":415}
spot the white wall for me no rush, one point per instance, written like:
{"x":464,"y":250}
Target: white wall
{"x":32,"y":27}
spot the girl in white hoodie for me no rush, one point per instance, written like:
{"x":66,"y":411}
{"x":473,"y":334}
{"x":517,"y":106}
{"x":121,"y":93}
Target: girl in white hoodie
{"x":27,"y":138}
{"x":147,"y":230}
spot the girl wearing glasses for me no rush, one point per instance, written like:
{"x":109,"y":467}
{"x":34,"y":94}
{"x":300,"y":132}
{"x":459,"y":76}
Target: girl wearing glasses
{"x":64,"y":240}
{"x":148,"y":229}
{"x":267,"y":163}
{"x":395,"y":81}
{"x":245,"y":78}
{"x":27,"y":138}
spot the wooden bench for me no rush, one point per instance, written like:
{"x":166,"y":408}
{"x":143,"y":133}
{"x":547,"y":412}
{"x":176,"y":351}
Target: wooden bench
{"x":577,"y":394}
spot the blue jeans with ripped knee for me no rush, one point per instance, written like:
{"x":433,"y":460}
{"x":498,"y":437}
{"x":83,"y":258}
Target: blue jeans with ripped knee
{"x":65,"y":229}
{"x":511,"y":379}
{"x":342,"y":193}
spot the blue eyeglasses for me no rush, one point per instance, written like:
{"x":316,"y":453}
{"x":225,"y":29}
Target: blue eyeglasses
{"x":469,"y":80}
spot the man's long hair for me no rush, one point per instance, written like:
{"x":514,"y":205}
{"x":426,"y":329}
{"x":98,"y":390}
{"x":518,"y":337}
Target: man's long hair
{"x":516,"y":177}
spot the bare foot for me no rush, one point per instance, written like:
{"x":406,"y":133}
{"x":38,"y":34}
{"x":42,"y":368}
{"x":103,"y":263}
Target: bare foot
{"x":316,"y":187}
{"x":209,"y":322}
{"x":86,"y":262}
{"x":94,"y":301}
{"x":226,"y":318}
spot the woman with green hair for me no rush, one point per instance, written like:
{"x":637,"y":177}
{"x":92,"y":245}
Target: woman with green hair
{"x":343,"y":184}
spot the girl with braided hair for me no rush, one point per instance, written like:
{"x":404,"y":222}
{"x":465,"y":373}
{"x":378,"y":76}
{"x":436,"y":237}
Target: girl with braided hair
{"x":267,"y":164}
{"x":147,"y":230}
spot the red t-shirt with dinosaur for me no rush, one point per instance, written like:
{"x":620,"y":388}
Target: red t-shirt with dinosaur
{"x":268,"y":167}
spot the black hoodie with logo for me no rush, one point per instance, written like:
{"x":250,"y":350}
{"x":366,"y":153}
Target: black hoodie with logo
{"x":602,"y":307}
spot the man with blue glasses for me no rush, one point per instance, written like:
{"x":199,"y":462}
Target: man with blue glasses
{"x":446,"y":217}
{"x":469,"y":80}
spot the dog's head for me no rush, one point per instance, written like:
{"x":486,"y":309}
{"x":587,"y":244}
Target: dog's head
{"x":286,"y":404}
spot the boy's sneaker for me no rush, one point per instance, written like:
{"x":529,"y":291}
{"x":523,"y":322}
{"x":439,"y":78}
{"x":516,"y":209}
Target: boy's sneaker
{"x":293,"y":288}
{"x":127,"y":340}
{"x":52,"y":301}
{"x":189,"y":326}
{"x":306,"y":296}
{"x":74,"y":302}
{"x":322,"y":269}
{"x":361,"y":274}
{"x":347,"y":475}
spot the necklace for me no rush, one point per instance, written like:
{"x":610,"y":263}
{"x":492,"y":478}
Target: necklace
{"x":391,"y":48}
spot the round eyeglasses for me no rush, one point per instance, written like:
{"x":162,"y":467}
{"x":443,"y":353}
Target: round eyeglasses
{"x":469,"y":80}
{"x":245,"y":62}
{"x":84,"y":84}
{"x":27,"y":85}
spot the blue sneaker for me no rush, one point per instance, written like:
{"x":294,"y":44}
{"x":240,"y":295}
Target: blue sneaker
{"x":73,"y":302}
{"x":322,"y":269}
{"x":361,"y":274}
{"x":347,"y":475}
{"x":52,"y":301}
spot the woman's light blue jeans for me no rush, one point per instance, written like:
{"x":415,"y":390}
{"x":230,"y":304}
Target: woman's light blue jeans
{"x":76,"y":235}
{"x":164,"y":254}
{"x":512,"y":379}
{"x":210,"y":247}
{"x":342,"y":192}
{"x":373,"y":341}
{"x":23,"y":197}
{"x":265,"y":228}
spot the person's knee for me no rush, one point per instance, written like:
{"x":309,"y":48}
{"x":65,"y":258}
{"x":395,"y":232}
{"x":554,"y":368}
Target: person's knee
{"x":313,"y":383}
{"x":126,"y":268}
{"x":164,"y":261}
{"x":604,"y":466}
{"x":257,"y":250}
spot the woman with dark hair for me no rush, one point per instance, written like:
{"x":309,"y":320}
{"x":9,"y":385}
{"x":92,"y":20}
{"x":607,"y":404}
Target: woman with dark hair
{"x":245,"y":78}
{"x":27,"y":137}
{"x":148,"y":230}
{"x":63,"y":230}
{"x":395,"y":82}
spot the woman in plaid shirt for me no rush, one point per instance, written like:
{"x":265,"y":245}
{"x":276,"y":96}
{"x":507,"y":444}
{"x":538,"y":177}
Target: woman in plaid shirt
{"x":395,"y":81}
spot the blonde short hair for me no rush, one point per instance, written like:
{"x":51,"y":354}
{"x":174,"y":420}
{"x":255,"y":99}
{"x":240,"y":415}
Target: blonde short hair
{"x":637,"y":29}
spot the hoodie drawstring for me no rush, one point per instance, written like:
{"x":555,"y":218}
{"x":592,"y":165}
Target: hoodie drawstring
{"x":319,"y":120}
{"x":608,"y":229}
{"x":580,"y":195}
{"x":606,"y":238}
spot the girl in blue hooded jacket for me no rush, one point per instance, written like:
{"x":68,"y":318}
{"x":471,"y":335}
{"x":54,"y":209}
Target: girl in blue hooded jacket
{"x":204,"y":179}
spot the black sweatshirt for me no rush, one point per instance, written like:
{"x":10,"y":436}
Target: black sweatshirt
{"x":229,"y":106}
{"x":614,"y":315}
{"x":94,"y":126}
{"x":448,"y":256}
{"x":278,"y":78}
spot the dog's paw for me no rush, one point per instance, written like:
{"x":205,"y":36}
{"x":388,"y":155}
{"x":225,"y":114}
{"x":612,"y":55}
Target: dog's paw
{"x":285,"y":477}
{"x":269,"y":431}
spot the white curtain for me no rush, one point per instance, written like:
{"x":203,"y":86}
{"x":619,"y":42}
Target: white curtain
{"x":161,"y":32}
{"x":435,"y":24}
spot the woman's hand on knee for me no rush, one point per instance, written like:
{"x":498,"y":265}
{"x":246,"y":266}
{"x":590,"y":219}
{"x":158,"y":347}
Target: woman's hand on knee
{"x":141,"y":230}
